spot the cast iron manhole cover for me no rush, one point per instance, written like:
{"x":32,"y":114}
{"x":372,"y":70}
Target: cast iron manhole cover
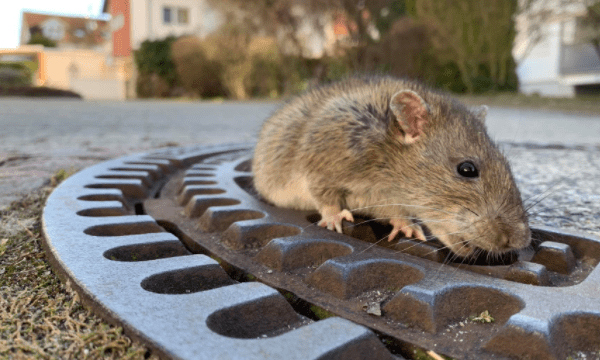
{"x":176,"y":247}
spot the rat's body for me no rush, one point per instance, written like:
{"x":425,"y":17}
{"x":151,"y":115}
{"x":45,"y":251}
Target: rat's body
{"x":396,"y":151}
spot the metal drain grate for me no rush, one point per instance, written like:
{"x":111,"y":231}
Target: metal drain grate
{"x":545,"y":301}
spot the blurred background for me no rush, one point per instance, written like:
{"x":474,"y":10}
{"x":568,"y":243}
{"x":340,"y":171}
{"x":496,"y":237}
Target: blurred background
{"x":228,"y":49}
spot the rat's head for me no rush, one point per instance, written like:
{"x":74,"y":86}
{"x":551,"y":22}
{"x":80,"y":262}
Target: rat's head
{"x":463,"y":190}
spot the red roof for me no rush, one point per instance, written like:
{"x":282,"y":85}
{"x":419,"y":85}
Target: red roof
{"x":88,"y":36}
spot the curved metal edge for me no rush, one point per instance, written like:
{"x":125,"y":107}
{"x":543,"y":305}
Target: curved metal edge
{"x":173,"y":326}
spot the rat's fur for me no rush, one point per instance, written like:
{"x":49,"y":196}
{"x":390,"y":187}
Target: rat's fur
{"x":343,"y":146}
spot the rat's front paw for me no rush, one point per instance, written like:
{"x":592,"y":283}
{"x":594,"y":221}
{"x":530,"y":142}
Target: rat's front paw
{"x":407,"y":227}
{"x":331,"y":217}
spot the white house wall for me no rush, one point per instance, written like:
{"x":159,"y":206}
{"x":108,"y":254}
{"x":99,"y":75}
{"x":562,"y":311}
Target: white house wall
{"x":147,"y":19}
{"x":139,"y":21}
{"x":539,"y":71}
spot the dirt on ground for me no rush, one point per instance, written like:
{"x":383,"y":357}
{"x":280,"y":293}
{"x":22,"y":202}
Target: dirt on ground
{"x":40,"y":316}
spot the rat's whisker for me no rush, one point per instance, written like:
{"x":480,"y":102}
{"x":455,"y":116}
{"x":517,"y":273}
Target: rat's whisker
{"x":418,"y":242}
{"x":552,"y":187}
{"x":403,"y":205}
{"x":419,"y":222}
{"x":374,"y":244}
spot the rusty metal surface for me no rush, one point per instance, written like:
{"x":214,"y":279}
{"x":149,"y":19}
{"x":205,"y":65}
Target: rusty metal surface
{"x":544,"y":301}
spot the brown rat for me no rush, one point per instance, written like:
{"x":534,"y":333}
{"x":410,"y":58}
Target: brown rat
{"x":397,"y":151}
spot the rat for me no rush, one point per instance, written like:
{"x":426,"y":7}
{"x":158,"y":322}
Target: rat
{"x":399,"y":152}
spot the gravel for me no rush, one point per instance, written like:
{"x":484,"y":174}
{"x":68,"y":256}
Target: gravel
{"x":561,"y":186}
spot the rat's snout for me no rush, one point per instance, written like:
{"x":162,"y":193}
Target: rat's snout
{"x":506,"y":235}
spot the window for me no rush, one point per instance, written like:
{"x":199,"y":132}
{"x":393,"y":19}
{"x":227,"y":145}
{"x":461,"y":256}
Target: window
{"x":182,"y":16}
{"x":167,"y":15}
{"x":53,"y":29}
{"x":172,"y":15}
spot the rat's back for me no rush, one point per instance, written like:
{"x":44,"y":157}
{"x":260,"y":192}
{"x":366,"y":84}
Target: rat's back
{"x":282,"y":154}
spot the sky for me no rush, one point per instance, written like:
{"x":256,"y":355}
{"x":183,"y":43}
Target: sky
{"x":10,"y":14}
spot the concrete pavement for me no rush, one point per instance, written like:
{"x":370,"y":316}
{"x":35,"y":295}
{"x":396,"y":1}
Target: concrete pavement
{"x":39,"y":137}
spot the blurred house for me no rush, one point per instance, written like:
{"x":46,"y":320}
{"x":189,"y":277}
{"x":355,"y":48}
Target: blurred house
{"x":67,"y":32}
{"x":81,"y":61}
{"x":556,"y":63}
{"x":134,"y":21}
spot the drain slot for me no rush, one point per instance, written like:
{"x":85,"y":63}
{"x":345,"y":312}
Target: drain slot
{"x":124,"y":229}
{"x":187,"y":281}
{"x":103,"y":212}
{"x":267,"y":317}
{"x":145,"y":252}
{"x":139,"y":208}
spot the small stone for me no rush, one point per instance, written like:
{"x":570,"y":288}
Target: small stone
{"x":269,"y":271}
{"x":374,"y":309}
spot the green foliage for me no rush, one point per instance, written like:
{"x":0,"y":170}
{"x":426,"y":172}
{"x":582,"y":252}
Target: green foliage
{"x":321,"y":313}
{"x":60,"y":176}
{"x":336,"y":68}
{"x":463,"y":46}
{"x":473,"y":39}
{"x":266,"y":75}
{"x":15,"y":73}
{"x":40,"y":39}
{"x":156,"y":68}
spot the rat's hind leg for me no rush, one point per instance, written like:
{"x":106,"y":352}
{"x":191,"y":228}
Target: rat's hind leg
{"x":332,"y":215}
{"x":407,"y":227}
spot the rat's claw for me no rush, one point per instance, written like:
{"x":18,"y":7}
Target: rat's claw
{"x":407,"y":227}
{"x":346,"y":214}
{"x":418,"y":233}
{"x":335,"y":221}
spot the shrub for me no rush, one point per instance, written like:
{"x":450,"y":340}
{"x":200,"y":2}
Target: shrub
{"x":152,"y":86}
{"x":40,"y":39}
{"x":230,"y":64}
{"x":15,"y":74}
{"x":229,"y":48}
{"x":266,"y":75}
{"x":197,"y":73}
{"x":156,"y":68}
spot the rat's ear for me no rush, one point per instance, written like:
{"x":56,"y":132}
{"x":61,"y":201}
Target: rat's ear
{"x":481,"y":112}
{"x":412,"y":113}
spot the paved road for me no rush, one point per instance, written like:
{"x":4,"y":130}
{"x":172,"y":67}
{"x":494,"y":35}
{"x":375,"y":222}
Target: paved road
{"x":38,"y":137}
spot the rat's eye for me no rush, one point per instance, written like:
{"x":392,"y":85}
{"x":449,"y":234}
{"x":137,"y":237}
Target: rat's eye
{"x":467,"y":169}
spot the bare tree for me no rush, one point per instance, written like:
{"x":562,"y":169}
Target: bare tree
{"x":471,"y":33}
{"x":281,"y":18}
{"x":284,"y":18}
{"x":531,"y":19}
{"x":589,"y":26}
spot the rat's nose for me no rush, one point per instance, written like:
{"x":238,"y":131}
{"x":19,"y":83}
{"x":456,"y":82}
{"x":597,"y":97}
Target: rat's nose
{"x":520,"y":238}
{"x":502,"y":240}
